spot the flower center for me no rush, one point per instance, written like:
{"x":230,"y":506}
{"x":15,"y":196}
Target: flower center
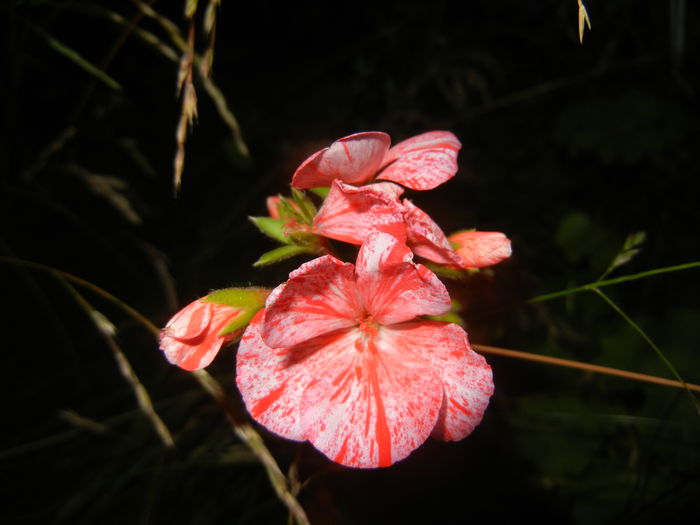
{"x":369,"y":326}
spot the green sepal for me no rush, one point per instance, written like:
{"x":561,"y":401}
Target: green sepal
{"x":307,"y":210}
{"x":321,"y":191}
{"x":273,"y":228}
{"x":247,"y":300}
{"x":455,"y":245}
{"x":281,"y":253}
{"x":450,"y":272}
{"x":449,"y":317}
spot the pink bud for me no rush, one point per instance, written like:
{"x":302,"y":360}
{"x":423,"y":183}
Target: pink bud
{"x":191,"y":338}
{"x":480,"y":249}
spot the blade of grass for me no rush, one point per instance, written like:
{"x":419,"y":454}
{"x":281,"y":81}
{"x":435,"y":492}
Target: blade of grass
{"x":248,"y":435}
{"x":107,"y":330}
{"x":76,"y":58}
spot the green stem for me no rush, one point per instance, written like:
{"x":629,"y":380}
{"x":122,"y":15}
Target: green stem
{"x":650,"y":343}
{"x":610,"y":282}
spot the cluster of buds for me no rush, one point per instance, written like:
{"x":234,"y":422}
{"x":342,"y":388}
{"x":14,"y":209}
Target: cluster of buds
{"x":350,"y":356}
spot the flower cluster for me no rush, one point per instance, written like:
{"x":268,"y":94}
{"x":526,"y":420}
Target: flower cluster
{"x":345,"y":355}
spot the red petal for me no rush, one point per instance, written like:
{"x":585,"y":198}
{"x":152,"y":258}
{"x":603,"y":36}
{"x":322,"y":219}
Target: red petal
{"x":392,"y":287}
{"x":465,"y":375}
{"x":426,"y":238}
{"x":272,"y":381}
{"x":374,"y":402}
{"x":481,"y":249}
{"x":354,"y":159}
{"x":422,"y":162}
{"x":191,"y":338}
{"x":350,"y":213}
{"x":272,"y":202}
{"x":319,"y":297}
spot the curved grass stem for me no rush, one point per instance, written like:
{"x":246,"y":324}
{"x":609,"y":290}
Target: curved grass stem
{"x":106,"y":329}
{"x":610,"y":282}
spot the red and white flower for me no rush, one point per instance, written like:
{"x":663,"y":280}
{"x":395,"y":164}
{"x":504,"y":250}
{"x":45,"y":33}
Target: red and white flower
{"x":420,"y":163}
{"x":350,"y":214}
{"x":191,"y":339}
{"x":341,"y":357}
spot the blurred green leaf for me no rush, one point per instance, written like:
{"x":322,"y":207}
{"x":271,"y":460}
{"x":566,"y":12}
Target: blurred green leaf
{"x":280,"y":254}
{"x":273,"y":228}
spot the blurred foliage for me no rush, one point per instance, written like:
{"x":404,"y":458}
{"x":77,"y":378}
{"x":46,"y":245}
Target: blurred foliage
{"x":568,"y":149}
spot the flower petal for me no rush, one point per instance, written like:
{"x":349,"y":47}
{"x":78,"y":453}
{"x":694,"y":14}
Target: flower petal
{"x":422,"y":162}
{"x":374,"y":403}
{"x":191,"y":338}
{"x":393,"y":288}
{"x":466,"y":377}
{"x":481,"y":249}
{"x":426,"y":238}
{"x":350,"y":213}
{"x":353,"y":159}
{"x":272,"y":381}
{"x":319,"y":297}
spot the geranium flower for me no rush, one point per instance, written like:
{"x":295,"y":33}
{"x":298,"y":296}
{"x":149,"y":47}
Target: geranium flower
{"x":420,"y":163}
{"x":341,"y":357}
{"x":350,"y":214}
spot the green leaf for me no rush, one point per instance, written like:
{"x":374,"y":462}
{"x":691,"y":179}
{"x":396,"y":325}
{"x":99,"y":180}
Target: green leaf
{"x":85,"y":65}
{"x":243,"y":298}
{"x":247,"y":300}
{"x":280,"y":254}
{"x":273,"y":228}
{"x":449,"y":317}
{"x":629,"y":249}
{"x":321,"y":191}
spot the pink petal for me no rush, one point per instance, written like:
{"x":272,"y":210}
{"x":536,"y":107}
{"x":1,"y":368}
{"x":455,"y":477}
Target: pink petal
{"x":191,"y":338}
{"x":319,"y":297}
{"x":350,"y":213}
{"x":393,"y":288}
{"x":272,"y":202}
{"x":426,"y":238}
{"x":272,"y":381}
{"x":422,"y":162}
{"x":481,"y":249}
{"x":374,"y":402}
{"x":466,"y":377}
{"x":353,"y":159}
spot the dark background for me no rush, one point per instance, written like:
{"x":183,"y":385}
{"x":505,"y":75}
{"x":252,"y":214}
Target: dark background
{"x":567,"y":148}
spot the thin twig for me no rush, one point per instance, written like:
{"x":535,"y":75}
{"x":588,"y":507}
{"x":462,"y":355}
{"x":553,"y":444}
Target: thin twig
{"x":568,"y":363}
